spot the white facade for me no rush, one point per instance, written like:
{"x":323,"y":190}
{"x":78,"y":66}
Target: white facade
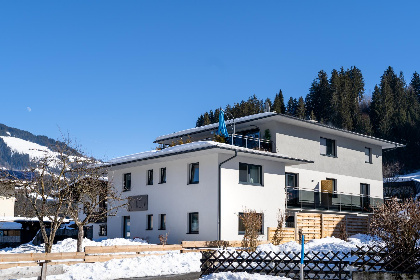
{"x":7,"y":206}
{"x":297,"y":148}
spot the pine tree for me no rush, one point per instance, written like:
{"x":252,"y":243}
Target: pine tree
{"x":206,"y":119}
{"x":415,"y":84}
{"x":290,"y":108}
{"x":278,"y":104}
{"x":319,"y":98}
{"x":300,"y":111}
{"x":199,"y":121}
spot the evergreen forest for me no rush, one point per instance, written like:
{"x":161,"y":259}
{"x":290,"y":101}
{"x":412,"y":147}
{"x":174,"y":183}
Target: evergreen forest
{"x":339,"y":100}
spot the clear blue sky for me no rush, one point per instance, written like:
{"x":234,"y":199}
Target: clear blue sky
{"x":117,"y":74}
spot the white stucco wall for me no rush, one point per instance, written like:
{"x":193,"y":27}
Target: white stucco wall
{"x":348,"y":167}
{"x":236,"y":196}
{"x":175,"y":198}
{"x":7,"y":206}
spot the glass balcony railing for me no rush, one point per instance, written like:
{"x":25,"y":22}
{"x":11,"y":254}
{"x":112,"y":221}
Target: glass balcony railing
{"x":309,"y":199}
{"x":250,"y":142}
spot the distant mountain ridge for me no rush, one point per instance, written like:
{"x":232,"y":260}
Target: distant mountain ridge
{"x":14,"y":159}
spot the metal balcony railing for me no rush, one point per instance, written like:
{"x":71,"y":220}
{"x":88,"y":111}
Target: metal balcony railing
{"x":336,"y":201}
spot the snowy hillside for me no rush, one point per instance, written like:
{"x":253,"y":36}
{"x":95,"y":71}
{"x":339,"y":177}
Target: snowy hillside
{"x":21,"y":146}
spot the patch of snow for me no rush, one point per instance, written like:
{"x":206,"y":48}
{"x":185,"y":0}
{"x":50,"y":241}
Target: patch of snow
{"x":403,"y":178}
{"x":8,"y":133}
{"x":241,"y":276}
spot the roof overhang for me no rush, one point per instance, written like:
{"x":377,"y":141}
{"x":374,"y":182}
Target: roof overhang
{"x":204,"y":146}
{"x":257,"y":119}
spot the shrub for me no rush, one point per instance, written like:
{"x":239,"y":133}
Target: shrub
{"x":252,"y":223}
{"x":278,"y":234}
{"x":398,"y":225}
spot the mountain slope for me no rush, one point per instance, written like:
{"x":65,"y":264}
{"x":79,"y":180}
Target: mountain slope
{"x":18,"y":147}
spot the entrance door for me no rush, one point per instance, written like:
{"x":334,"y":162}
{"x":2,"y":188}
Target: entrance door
{"x":365,"y":197}
{"x":327,"y":189}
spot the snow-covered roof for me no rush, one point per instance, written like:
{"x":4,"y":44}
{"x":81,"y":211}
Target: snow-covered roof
{"x":198,"y":146}
{"x":10,"y":225}
{"x":385,"y":144}
{"x":404,"y":178}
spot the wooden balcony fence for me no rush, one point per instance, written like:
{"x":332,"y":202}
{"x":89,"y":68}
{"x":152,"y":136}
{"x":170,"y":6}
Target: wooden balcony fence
{"x":316,"y":225}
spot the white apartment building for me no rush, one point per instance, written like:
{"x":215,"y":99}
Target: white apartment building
{"x":270,"y":162}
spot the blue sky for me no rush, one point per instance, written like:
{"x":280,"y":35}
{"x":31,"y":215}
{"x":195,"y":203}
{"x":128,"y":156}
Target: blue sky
{"x":114,"y":75}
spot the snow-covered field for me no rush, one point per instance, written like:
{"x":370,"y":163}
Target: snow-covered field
{"x":173,"y":263}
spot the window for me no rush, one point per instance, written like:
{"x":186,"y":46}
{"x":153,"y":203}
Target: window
{"x":368,"y":155}
{"x":365,"y":196}
{"x":241,"y":225}
{"x":127,"y":181}
{"x":250,"y":174}
{"x":327,"y":147}
{"x":292,"y":189}
{"x":162,"y":175}
{"x":162,"y":221}
{"x":126,"y":227}
{"x":102,"y":230}
{"x":193,"y":222}
{"x":194,"y":175}
{"x":149,"y":222}
{"x":150,"y":177}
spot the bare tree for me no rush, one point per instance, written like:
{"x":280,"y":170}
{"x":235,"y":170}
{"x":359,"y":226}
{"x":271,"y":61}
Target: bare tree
{"x":60,"y":184}
{"x":279,"y":232}
{"x":398,"y":225}
{"x":252,"y":225}
{"x":90,"y":195}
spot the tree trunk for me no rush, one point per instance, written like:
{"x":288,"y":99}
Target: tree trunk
{"x":80,"y":239}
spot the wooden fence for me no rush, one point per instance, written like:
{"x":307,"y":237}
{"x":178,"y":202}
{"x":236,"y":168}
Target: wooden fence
{"x":316,"y":225}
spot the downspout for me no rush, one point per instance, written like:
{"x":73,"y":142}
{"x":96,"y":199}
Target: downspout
{"x":219,"y":216}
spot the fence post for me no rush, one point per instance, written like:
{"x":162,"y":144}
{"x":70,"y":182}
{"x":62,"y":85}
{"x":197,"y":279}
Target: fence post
{"x":296,"y":227}
{"x":43,"y":271}
{"x":322,"y":226}
{"x":302,"y":256}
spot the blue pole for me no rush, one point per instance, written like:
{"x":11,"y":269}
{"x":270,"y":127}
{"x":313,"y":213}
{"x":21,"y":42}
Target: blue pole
{"x":302,"y":255}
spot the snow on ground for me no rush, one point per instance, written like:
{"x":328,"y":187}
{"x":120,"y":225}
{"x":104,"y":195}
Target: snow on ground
{"x":241,"y":276}
{"x":407,"y":177}
{"x":173,"y":262}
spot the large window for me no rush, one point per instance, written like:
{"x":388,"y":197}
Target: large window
{"x":250,"y":174}
{"x":292,"y":188}
{"x":368,"y":155}
{"x":126,"y":227}
{"x":162,"y":178}
{"x":127,"y":181}
{"x":241,"y":224}
{"x":149,"y":222}
{"x":162,"y":221}
{"x":150,"y":177}
{"x":194,"y":173}
{"x":193,"y":224}
{"x":328,"y":147}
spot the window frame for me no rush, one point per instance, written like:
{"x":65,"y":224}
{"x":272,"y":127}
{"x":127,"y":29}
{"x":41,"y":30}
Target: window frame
{"x":190,"y":216}
{"x":149,"y":181}
{"x":162,"y":222}
{"x":369,"y":155}
{"x":191,"y":174}
{"x":247,"y":182}
{"x":149,"y":220}
{"x":240,"y":232}
{"x":162,"y":175}
{"x":103,"y":226}
{"x":126,"y":228}
{"x":333,"y":147}
{"x":126,"y":181}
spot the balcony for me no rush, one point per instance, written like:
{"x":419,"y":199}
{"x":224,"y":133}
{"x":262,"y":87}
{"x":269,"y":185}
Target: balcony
{"x":249,"y":142}
{"x":341,"y":202}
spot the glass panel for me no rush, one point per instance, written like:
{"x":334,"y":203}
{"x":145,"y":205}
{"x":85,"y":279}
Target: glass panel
{"x":126,"y":227}
{"x":367,"y":155}
{"x":243,"y":172}
{"x":163,"y":221}
{"x":127,"y":181}
{"x":194,"y":173}
{"x":291,"y":180}
{"x":241,"y":226}
{"x":323,"y":146}
{"x":149,"y":221}
{"x":163,"y":175}
{"x":254,"y":174}
{"x":193,"y":222}
{"x":150,"y":177}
